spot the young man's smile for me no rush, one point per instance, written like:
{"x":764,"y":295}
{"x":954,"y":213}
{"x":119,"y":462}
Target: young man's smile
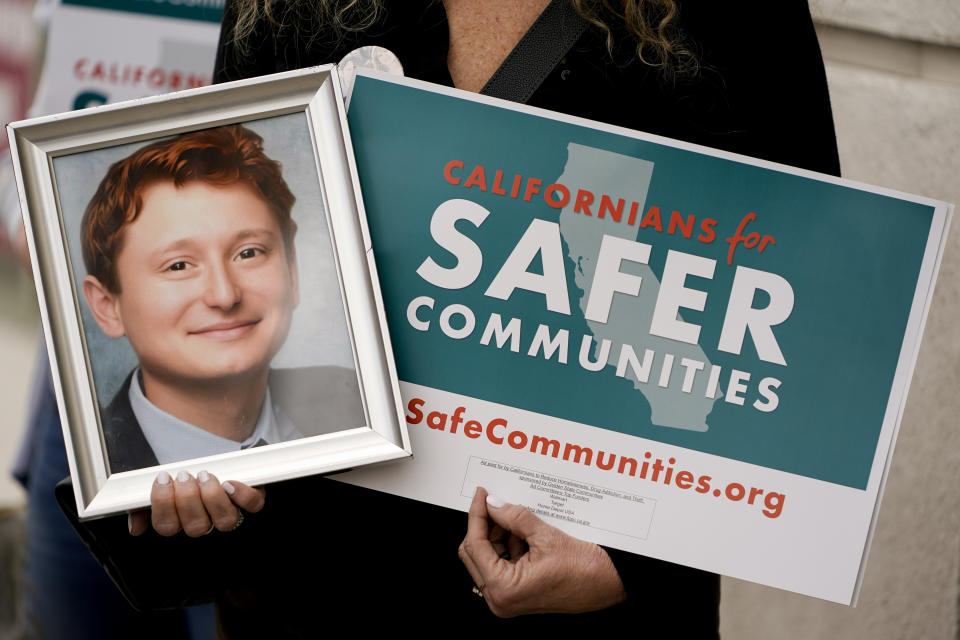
{"x":226,"y":330}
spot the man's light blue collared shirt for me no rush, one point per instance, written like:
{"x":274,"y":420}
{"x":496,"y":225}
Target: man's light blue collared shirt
{"x":173,"y":440}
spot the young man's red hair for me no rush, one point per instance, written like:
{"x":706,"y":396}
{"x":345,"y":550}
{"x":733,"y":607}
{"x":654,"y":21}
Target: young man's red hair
{"x":218,"y":156}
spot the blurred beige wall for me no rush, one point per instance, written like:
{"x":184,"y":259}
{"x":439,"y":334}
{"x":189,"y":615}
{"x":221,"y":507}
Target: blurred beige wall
{"x":894,"y":74}
{"x":19,"y":324}
{"x":19,"y":341}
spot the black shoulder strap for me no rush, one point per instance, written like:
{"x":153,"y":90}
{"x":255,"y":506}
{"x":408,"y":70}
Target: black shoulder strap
{"x":539,"y":51}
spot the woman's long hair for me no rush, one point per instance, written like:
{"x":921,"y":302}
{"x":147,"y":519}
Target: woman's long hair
{"x":650,"y":24}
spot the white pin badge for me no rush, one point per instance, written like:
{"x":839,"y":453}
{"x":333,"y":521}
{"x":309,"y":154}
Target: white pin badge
{"x":376,"y":58}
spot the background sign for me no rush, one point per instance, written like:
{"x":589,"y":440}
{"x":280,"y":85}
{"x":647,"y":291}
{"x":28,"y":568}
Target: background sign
{"x":202,"y":10}
{"x":104,"y":51}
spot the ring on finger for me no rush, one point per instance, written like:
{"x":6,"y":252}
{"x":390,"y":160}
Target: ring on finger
{"x":479,"y":589}
{"x":239,"y":521}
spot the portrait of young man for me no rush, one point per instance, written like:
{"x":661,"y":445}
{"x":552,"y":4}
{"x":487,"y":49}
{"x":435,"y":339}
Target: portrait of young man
{"x":189,"y":253}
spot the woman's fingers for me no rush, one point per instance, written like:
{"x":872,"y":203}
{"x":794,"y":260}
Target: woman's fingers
{"x":515,"y":518}
{"x":190,"y":507}
{"x":224,"y":515}
{"x":476,"y":551}
{"x":516,"y":547}
{"x":476,"y":528}
{"x":471,"y":567}
{"x":138,"y":522}
{"x":195,"y":505}
{"x":249,"y":499}
{"x":498,"y":538}
{"x":549,"y":570}
{"x":163,"y":514}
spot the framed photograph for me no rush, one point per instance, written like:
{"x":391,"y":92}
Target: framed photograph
{"x":207,"y":288}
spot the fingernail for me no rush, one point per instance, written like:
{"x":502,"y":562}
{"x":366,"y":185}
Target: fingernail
{"x":183,"y":476}
{"x":203,"y":476}
{"x":229,"y":488}
{"x":163,"y":478}
{"x":494,"y":501}
{"x":130,"y":523}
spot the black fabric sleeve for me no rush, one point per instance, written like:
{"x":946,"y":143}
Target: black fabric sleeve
{"x":793,"y":104}
{"x":155,"y":572}
{"x":765,"y":62}
{"x":685,"y":602}
{"x":143,"y":567}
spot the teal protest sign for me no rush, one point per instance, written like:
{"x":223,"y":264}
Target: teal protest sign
{"x":647,"y":311}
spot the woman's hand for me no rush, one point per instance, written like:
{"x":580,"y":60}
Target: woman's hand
{"x":195,"y":505}
{"x":522,"y":565}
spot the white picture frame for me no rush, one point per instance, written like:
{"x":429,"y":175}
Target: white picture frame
{"x":52,"y":155}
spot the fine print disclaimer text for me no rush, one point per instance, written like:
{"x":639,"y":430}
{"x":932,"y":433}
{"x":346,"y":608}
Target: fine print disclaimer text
{"x":557,"y":498}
